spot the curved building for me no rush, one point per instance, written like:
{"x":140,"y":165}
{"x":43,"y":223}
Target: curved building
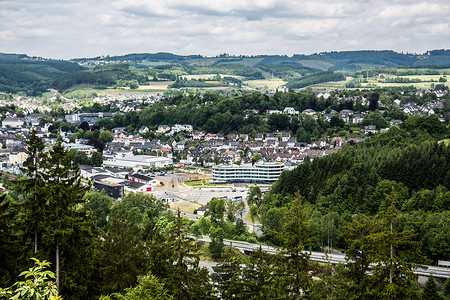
{"x":265,"y":172}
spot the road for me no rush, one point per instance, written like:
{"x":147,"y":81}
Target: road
{"x":427,"y":270}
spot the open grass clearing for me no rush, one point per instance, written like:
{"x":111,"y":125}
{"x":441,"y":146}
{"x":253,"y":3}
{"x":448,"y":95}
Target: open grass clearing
{"x":185,"y":206}
{"x":268,"y":83}
{"x":200,"y":184}
{"x":208,"y":76}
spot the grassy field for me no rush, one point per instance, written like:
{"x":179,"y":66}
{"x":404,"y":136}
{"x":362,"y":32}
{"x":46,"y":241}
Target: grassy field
{"x":208,"y":76}
{"x":268,"y":83}
{"x":185,"y":206}
{"x":198,"y":184}
{"x":155,"y":86}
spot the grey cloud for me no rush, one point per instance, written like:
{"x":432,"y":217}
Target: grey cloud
{"x":90,"y":28}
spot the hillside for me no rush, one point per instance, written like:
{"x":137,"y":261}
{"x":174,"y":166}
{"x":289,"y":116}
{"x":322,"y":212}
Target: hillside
{"x":31,"y":75}
{"x":20,"y":73}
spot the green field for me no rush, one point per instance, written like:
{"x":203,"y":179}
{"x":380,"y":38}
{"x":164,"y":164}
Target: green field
{"x":268,"y":83}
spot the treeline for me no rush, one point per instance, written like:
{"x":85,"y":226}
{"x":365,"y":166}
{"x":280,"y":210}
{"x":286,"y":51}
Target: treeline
{"x":314,"y":79}
{"x":355,"y":180}
{"x":100,"y":77}
{"x":228,"y":69}
{"x":286,"y":70}
{"x":215,"y":113}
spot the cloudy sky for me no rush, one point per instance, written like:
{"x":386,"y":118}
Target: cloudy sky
{"x":89,"y":28}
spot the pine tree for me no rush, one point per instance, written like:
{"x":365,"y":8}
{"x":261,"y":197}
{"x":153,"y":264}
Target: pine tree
{"x":360,"y":254}
{"x":393,"y":277}
{"x":446,"y":289}
{"x":258,"y":281}
{"x":430,"y":291}
{"x":293,"y":260}
{"x":63,"y":194}
{"x":32,"y":186}
{"x":122,"y":256}
{"x":185,"y":279}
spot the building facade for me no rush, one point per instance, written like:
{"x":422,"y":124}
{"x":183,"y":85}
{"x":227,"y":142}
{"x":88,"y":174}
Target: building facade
{"x":265,"y":172}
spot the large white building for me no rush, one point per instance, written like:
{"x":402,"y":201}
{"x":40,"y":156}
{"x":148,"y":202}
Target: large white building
{"x":139,"y":162}
{"x":264,"y":172}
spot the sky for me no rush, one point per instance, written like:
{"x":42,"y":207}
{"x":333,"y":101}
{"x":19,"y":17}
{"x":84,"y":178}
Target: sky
{"x":90,"y":28}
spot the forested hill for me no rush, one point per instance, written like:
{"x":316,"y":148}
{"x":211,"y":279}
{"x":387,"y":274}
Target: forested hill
{"x":21,"y":73}
{"x":409,"y":160}
{"x":325,"y":61}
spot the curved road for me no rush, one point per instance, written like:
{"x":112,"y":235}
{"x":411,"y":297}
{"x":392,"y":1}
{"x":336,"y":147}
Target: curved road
{"x":427,"y":270}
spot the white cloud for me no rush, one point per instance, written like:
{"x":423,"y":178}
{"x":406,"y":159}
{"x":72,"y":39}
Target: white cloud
{"x":86,"y":28}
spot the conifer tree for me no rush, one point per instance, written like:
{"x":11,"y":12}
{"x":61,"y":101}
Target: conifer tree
{"x":186,"y":279}
{"x":360,"y":254}
{"x":446,"y":289}
{"x":393,"y":277}
{"x":63,"y":195}
{"x":32,"y":186}
{"x":430,"y":291}
{"x":293,"y":260}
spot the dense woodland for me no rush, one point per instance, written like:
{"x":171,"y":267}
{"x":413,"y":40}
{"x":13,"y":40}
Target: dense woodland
{"x":408,"y":161}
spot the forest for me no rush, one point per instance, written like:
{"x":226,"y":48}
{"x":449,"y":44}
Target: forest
{"x":409,"y":161}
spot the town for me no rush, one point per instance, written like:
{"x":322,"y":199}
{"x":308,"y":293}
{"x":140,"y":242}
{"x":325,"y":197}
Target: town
{"x":119,"y":161}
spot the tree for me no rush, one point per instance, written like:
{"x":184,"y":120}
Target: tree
{"x":256,"y":157}
{"x":80,"y":157}
{"x":373,"y":101}
{"x":216,"y":245}
{"x":32,"y":185}
{"x":38,"y":284}
{"x":106,"y":136}
{"x":99,"y":145}
{"x":360,"y":254}
{"x":123,"y":255}
{"x":175,"y":262}
{"x":217,"y":209}
{"x":149,"y":287}
{"x":100,"y":206}
{"x":392,"y":275}
{"x":446,"y":289}
{"x":430,"y":291}
{"x":293,"y":261}
{"x":258,"y":281}
{"x":97,"y":159}
{"x":63,"y":193}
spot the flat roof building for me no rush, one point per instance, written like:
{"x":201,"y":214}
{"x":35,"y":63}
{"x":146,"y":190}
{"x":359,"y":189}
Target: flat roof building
{"x":264,"y":172}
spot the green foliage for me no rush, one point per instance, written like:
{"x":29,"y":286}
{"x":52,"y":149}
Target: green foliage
{"x":446,"y":289}
{"x":430,"y":291}
{"x":100,"y":206}
{"x":149,"y":288}
{"x":97,"y":159}
{"x":293,"y":260}
{"x":101,"y":77}
{"x":228,"y":69}
{"x":216,"y":247}
{"x":106,"y":136}
{"x":122,"y":254}
{"x":314,"y":79}
{"x":39,"y":284}
{"x":33,"y":76}
{"x":217,"y":209}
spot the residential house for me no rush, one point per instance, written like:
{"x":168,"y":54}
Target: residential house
{"x":357,"y":118}
{"x":290,"y":111}
{"x":163,"y":129}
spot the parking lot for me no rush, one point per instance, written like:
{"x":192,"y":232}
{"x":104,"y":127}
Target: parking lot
{"x":173,"y":183}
